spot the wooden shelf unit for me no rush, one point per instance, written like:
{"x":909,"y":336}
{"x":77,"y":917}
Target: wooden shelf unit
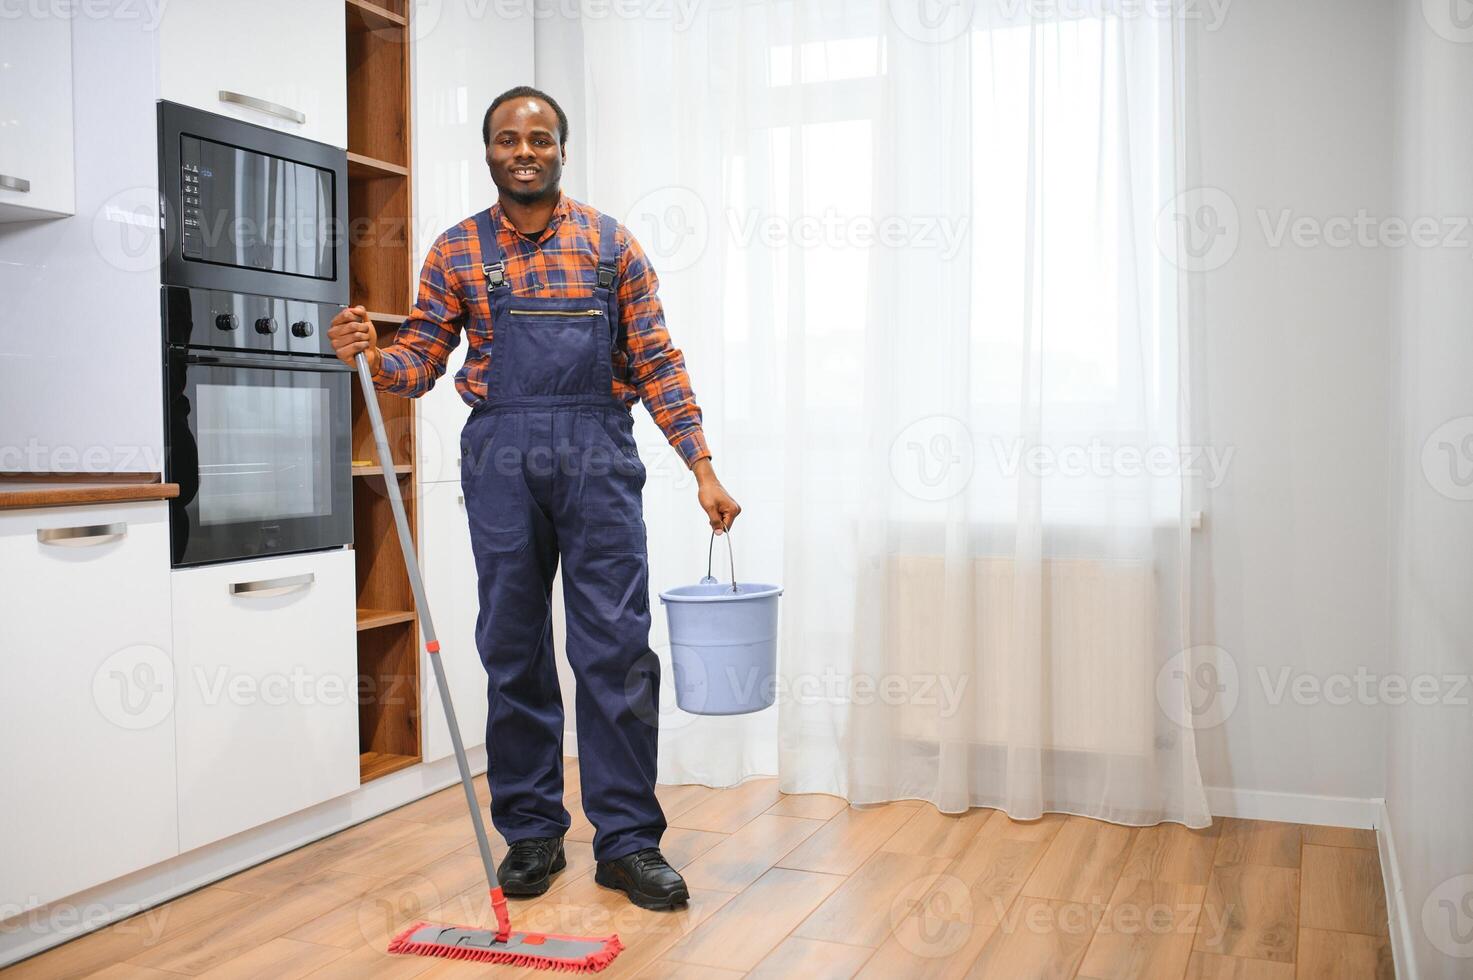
{"x":368,"y":15}
{"x":392,"y":320}
{"x":367,"y":168}
{"x":372,"y":765}
{"x":373,"y":469}
{"x":380,"y":275}
{"x":370,"y":619}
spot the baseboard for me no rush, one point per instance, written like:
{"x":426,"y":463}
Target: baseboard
{"x":51,"y":925}
{"x":1403,"y":947}
{"x":1329,"y":811}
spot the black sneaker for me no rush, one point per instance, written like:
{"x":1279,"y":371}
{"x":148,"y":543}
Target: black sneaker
{"x":646,"y":877}
{"x":530,"y":864}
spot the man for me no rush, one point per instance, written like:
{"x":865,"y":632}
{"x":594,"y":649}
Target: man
{"x":558,"y":303}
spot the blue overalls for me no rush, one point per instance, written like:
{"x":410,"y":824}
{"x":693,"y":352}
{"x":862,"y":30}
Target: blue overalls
{"x":549,"y":468}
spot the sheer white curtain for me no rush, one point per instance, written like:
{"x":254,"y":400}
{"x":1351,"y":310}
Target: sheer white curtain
{"x":910,"y":251}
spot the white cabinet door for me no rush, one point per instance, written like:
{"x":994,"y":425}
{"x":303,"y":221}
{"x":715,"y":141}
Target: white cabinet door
{"x":288,"y":54}
{"x":37,"y":170}
{"x":267,"y":669}
{"x":450,"y":586}
{"x":86,"y":698}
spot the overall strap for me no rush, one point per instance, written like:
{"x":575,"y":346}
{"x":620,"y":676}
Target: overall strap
{"x":608,"y":253}
{"x":608,"y":272}
{"x":492,"y":265}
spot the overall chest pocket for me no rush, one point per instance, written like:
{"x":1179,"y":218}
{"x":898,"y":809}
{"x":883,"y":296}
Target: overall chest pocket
{"x":551,"y":351}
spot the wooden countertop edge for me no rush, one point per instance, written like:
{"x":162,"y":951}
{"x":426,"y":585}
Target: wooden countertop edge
{"x":70,"y":489}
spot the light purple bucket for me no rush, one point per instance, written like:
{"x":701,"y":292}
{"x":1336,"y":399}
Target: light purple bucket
{"x":723,"y":643}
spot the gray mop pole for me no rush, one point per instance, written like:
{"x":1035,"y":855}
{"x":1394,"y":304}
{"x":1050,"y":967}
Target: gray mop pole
{"x":416,"y":583}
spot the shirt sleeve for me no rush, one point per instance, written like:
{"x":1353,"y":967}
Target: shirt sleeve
{"x":416,"y":359}
{"x":656,"y":366}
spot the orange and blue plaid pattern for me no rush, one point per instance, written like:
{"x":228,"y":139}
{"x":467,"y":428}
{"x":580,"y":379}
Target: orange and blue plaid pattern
{"x":562,"y":261}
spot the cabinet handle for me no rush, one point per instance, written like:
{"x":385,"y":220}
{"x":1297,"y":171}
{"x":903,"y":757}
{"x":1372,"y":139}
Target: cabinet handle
{"x":10,"y":183}
{"x":85,"y":536}
{"x":460,"y":499}
{"x":261,"y":105}
{"x":268,"y":587}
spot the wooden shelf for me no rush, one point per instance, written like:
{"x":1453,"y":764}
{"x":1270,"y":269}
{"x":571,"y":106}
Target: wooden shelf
{"x":388,"y":689}
{"x":391,"y":319}
{"x":369,"y":619}
{"x":373,"y":469}
{"x":363,"y":15}
{"x":376,"y":765}
{"x":368,"y":168}
{"x":379,"y":273}
{"x":381,"y":276}
{"x":378,"y":85}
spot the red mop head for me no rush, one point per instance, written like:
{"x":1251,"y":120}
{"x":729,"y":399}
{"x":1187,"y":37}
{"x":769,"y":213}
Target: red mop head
{"x":540,"y":950}
{"x":545,"y":951}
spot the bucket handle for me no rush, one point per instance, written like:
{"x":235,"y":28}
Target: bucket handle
{"x":730,"y":557}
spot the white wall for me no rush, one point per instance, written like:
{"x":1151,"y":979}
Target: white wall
{"x":1294,"y":114}
{"x":1429,"y":794}
{"x":80,"y":346}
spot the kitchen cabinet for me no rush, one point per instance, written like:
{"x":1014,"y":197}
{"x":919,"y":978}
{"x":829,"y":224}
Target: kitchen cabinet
{"x":450,"y":587}
{"x":276,"y":63}
{"x":37,"y":167}
{"x":86,"y":693}
{"x":267,"y":714}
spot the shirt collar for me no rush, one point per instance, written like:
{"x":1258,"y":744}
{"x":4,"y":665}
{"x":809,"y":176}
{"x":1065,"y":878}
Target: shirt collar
{"x":563,"y":209}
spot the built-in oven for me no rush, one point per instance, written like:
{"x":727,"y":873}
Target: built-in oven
{"x":259,"y":442}
{"x":257,"y":407}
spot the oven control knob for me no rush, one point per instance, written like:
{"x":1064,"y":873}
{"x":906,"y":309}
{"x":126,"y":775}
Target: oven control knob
{"x":226,"y":321}
{"x":266,"y":324}
{"x":302,"y":328}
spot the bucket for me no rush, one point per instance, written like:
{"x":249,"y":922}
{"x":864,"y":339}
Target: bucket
{"x":723,"y":642}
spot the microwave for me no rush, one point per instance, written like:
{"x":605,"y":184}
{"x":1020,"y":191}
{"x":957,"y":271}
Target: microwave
{"x":250,"y":209}
{"x":257,"y":408}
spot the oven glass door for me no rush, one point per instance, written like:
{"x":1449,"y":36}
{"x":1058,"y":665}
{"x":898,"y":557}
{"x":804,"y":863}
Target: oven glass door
{"x":253,"y":211}
{"x":260,"y":448}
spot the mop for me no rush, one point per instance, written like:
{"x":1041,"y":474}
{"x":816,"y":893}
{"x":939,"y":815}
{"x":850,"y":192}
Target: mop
{"x":547,"y":951}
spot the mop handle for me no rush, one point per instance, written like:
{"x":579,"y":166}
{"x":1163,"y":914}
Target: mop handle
{"x":416,"y":584}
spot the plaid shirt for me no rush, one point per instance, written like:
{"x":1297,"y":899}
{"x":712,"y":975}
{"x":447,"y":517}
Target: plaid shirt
{"x":561,"y":262}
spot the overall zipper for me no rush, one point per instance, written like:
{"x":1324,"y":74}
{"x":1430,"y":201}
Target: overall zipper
{"x":556,"y":312}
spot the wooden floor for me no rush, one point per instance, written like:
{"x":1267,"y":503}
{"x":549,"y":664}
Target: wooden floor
{"x":805,"y":886}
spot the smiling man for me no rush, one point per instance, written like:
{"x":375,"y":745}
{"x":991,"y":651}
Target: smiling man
{"x":558,"y":303}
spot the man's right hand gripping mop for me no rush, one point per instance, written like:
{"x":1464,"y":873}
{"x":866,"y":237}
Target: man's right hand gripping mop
{"x":547,"y":951}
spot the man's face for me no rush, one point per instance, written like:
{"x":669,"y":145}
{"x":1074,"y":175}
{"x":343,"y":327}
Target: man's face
{"x":524,"y":156}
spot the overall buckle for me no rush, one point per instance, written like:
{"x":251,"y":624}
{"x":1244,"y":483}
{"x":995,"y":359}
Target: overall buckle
{"x":495,"y":273}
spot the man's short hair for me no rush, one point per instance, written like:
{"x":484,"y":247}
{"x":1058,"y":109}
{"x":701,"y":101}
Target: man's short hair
{"x":526,"y":92}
